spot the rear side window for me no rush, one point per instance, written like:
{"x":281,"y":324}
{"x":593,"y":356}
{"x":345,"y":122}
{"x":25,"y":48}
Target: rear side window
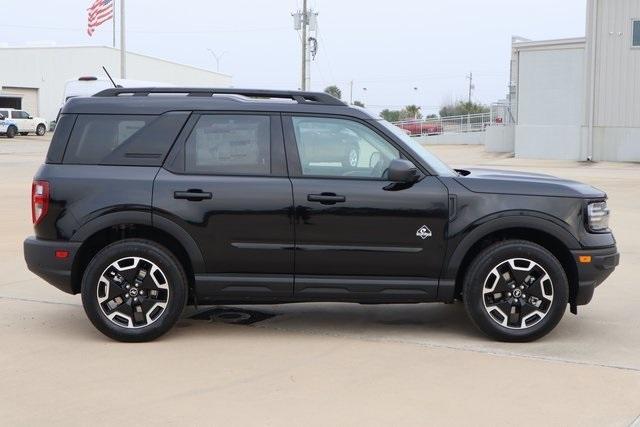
{"x":60,"y":138}
{"x":134,"y":140}
{"x":230,"y":145}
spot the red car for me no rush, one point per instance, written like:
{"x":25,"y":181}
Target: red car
{"x":421,"y":128}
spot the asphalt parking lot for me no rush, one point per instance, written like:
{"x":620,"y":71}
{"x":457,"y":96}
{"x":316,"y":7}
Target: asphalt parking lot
{"x":315,"y":364}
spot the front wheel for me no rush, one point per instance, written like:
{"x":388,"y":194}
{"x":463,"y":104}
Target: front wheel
{"x":134,"y":290}
{"x":41,"y":130}
{"x":516,"y":291}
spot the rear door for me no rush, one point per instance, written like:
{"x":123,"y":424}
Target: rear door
{"x":226,"y":184}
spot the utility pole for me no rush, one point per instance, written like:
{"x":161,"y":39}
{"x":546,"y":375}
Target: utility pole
{"x":123,"y":43}
{"x":306,"y":21}
{"x":471,"y":86}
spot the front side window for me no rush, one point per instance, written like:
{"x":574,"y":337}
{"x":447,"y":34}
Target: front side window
{"x":230,"y":145}
{"x":636,"y":33}
{"x":19,"y":115}
{"x":341,"y":148}
{"x":4,"y":113}
{"x":96,"y":137}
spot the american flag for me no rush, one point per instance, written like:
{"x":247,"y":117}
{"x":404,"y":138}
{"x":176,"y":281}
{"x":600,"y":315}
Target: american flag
{"x":99,"y":12}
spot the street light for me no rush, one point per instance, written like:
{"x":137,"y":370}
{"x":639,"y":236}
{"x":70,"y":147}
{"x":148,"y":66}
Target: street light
{"x":217,"y":58}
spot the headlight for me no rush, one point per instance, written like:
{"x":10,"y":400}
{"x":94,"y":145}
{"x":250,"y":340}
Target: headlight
{"x":598,"y":216}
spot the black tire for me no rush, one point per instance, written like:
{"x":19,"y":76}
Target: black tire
{"x":487,"y":293}
{"x":175,"y":281}
{"x":24,"y":133}
{"x":11,"y":132}
{"x":41,"y":130}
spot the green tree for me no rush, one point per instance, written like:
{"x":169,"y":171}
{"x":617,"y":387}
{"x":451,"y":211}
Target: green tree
{"x":358,"y":104}
{"x":390,"y":115}
{"x":334,"y":91}
{"x":461,"y":108}
{"x":411,"y":112}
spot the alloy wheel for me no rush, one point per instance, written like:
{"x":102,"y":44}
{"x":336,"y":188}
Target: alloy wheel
{"x":517,"y":293}
{"x":353,"y":158}
{"x":133,"y":292}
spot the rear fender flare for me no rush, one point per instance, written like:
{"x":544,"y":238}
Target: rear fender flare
{"x":144,"y":218}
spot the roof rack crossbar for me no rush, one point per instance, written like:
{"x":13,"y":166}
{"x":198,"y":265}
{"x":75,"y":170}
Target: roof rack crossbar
{"x":298,"y":96}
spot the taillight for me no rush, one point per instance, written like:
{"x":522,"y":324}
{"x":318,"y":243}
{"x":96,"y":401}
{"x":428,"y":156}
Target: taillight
{"x":39,"y":201}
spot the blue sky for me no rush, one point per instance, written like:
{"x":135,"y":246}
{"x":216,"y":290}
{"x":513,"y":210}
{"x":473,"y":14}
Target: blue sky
{"x":387,"y":47}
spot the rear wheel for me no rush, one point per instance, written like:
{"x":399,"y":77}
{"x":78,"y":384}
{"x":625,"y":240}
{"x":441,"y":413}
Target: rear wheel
{"x":11,"y":132}
{"x":515,"y":291}
{"x":134,"y":290}
{"x":41,"y":130}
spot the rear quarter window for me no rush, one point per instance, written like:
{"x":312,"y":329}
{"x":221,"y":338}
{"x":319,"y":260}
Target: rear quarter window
{"x":134,"y":140}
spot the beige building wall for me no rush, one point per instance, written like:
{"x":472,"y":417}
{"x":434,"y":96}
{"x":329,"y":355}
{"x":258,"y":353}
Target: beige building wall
{"x":613,"y":81}
{"x":47,"y":69}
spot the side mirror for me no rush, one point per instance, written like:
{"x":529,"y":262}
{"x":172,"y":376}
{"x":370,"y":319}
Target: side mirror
{"x":403,"y":171}
{"x":30,"y":117}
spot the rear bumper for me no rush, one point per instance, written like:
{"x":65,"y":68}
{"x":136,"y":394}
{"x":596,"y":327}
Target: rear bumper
{"x":41,"y":259}
{"x":592,"y":274}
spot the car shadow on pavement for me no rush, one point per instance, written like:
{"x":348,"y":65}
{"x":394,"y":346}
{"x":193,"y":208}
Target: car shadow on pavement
{"x":346,"y":319}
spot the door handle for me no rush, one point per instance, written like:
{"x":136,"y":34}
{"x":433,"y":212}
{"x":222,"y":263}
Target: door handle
{"x":192,"y":195}
{"x":326,"y":198}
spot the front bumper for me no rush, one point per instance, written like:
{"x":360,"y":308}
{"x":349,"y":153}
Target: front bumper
{"x":592,"y":274}
{"x":41,"y":259}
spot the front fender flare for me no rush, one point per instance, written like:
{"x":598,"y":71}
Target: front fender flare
{"x":539,"y":222}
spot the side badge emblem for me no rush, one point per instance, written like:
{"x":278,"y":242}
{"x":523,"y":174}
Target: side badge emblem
{"x":424,"y":232}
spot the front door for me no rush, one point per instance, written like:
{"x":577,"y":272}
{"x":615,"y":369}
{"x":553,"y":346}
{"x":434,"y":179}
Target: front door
{"x":229,"y":190}
{"x":359,"y":236}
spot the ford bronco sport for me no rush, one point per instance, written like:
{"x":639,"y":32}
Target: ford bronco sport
{"x":154,"y":198}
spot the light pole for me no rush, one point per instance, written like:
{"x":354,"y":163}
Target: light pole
{"x":217,"y":58}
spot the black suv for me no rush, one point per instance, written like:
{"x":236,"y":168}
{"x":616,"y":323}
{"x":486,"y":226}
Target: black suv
{"x":151,"y":199}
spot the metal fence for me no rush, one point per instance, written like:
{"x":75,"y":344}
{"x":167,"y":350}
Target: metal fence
{"x":499,"y":114}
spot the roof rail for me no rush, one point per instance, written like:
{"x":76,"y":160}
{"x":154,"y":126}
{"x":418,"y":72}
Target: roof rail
{"x":316,"y":98}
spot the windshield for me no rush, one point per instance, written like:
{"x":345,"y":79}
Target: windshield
{"x":438,"y":166}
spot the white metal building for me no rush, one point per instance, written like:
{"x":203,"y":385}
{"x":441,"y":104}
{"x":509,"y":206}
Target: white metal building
{"x":577,"y":99}
{"x":33,"y":78}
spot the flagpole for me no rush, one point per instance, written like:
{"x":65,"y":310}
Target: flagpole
{"x":123,"y":44}
{"x":114,"y":24}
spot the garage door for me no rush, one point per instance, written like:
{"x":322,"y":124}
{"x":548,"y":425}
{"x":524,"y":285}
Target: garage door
{"x":28,"y":98}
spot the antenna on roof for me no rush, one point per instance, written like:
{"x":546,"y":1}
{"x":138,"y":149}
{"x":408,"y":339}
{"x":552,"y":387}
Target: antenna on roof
{"x":109,"y":75}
